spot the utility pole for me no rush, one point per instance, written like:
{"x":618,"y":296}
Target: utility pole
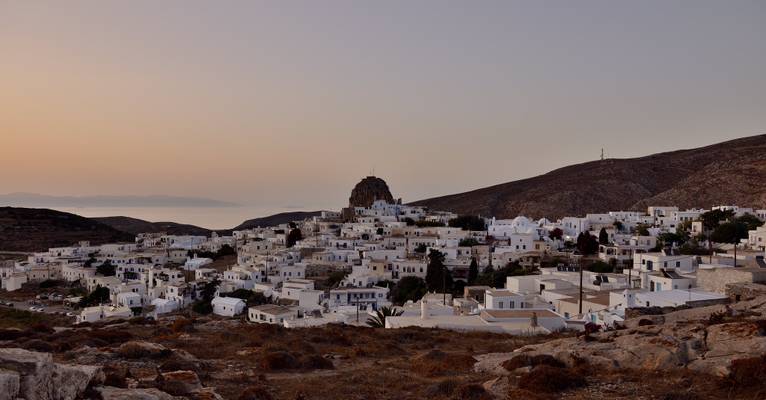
{"x":444,"y":284}
{"x":735,"y":254}
{"x":580,"y":266}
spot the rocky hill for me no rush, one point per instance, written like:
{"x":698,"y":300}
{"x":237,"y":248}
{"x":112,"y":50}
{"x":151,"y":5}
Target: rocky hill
{"x":724,"y":173}
{"x":277,"y":219}
{"x":368,"y":190}
{"x":34,"y":229}
{"x":135,"y":226}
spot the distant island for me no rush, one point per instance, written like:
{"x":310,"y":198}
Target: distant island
{"x":46,"y":201}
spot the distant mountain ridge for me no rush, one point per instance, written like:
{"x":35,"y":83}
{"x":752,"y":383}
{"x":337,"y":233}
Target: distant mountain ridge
{"x":34,"y":229}
{"x":46,"y":201}
{"x":135,"y":226}
{"x":37,"y":229}
{"x":732,"y":172}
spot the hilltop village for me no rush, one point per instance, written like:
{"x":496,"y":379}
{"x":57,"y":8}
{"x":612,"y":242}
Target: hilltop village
{"x":379,"y":262}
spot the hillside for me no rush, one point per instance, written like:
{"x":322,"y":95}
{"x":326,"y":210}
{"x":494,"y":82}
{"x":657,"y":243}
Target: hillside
{"x":724,"y":173}
{"x":33,"y":229}
{"x":277,"y":219}
{"x":136,"y":226}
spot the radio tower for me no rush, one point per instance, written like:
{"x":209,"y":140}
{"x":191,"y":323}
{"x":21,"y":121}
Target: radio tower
{"x":602,"y":154}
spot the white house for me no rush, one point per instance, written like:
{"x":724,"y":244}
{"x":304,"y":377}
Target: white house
{"x":227,"y":306}
{"x":270,"y":314}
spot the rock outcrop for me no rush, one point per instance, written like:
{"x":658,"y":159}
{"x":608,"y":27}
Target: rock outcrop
{"x":34,"y":376}
{"x":368,"y":190}
{"x":705,"y":340}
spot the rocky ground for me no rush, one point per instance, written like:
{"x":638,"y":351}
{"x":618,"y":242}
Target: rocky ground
{"x":705,"y":353}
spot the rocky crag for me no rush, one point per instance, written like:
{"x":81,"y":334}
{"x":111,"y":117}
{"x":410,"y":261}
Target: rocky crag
{"x":368,"y":190}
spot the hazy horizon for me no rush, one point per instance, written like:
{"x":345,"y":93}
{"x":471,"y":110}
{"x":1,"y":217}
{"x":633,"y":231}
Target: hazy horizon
{"x":292,"y":103}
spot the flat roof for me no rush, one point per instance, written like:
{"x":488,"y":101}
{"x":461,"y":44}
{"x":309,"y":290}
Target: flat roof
{"x":520,"y":313}
{"x":273,"y":309}
{"x":502,"y":292}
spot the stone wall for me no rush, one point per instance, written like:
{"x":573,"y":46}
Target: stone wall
{"x":715,"y":280}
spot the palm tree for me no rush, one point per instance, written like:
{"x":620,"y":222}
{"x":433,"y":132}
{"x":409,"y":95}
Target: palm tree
{"x":379,"y":320}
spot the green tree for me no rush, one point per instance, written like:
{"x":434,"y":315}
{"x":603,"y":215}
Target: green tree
{"x":468,"y":223}
{"x":600,"y":267}
{"x":473,"y":271}
{"x":618,"y":225}
{"x":556,"y":233}
{"x":750,"y":221}
{"x":99,"y":295}
{"x":335,"y":278}
{"x":421,"y":248}
{"x":711,"y":219}
{"x":642,"y":230}
{"x":379,"y":320}
{"x":203,"y":305}
{"x":408,"y":288}
{"x":468,"y":242}
{"x":106,"y":269}
{"x":729,"y":232}
{"x":587,"y":244}
{"x":603,"y":236}
{"x":293,"y":237}
{"x":438,"y":278}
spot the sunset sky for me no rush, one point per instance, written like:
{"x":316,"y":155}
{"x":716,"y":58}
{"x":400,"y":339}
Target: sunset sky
{"x":292,"y":102}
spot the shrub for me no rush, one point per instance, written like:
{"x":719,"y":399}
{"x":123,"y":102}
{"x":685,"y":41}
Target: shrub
{"x":255,"y":393}
{"x":38,"y":345}
{"x":11,"y":334}
{"x":748,"y":372}
{"x":182,"y":325}
{"x":279,"y":360}
{"x":443,"y":388}
{"x":472,"y":391}
{"x":316,"y":362}
{"x":547,"y":379}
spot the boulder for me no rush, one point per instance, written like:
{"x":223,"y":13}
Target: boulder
{"x":10,"y":383}
{"x":34,"y":376}
{"x":70,"y":381}
{"x":179,"y":383}
{"x":35,"y":371}
{"x":139,"y":349}
{"x":113,"y":393}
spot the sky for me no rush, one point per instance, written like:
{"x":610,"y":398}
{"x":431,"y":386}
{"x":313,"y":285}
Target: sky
{"x":290,"y":103}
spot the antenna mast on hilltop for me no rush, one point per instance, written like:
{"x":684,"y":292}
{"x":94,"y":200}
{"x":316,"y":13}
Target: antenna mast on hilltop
{"x":602,"y":154}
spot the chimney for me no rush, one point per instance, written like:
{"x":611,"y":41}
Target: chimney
{"x":423,"y":309}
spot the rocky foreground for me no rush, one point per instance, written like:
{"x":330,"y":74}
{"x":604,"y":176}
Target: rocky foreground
{"x":704,"y":353}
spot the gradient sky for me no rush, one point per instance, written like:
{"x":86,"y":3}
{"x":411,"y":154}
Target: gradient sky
{"x":292,"y":102}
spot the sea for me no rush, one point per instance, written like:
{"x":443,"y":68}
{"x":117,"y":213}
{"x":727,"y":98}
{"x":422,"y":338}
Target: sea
{"x":204,"y":217}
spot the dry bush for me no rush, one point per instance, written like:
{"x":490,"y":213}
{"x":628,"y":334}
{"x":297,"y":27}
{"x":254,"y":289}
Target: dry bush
{"x":11,"y":334}
{"x":748,"y":372}
{"x":524,"y":394}
{"x":547,"y":379}
{"x":443,"y":388}
{"x":524,"y":360}
{"x":472,"y":391}
{"x":316,"y":362}
{"x":111,"y":336}
{"x":255,"y":393}
{"x":182,"y":325}
{"x":437,"y":362}
{"x":37,"y":345}
{"x":278,"y":361}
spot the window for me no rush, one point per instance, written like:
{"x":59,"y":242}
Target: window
{"x":500,"y":304}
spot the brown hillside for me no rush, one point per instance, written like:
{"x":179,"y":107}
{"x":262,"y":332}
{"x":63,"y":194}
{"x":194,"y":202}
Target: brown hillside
{"x":37,"y":229}
{"x":732,"y":172}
